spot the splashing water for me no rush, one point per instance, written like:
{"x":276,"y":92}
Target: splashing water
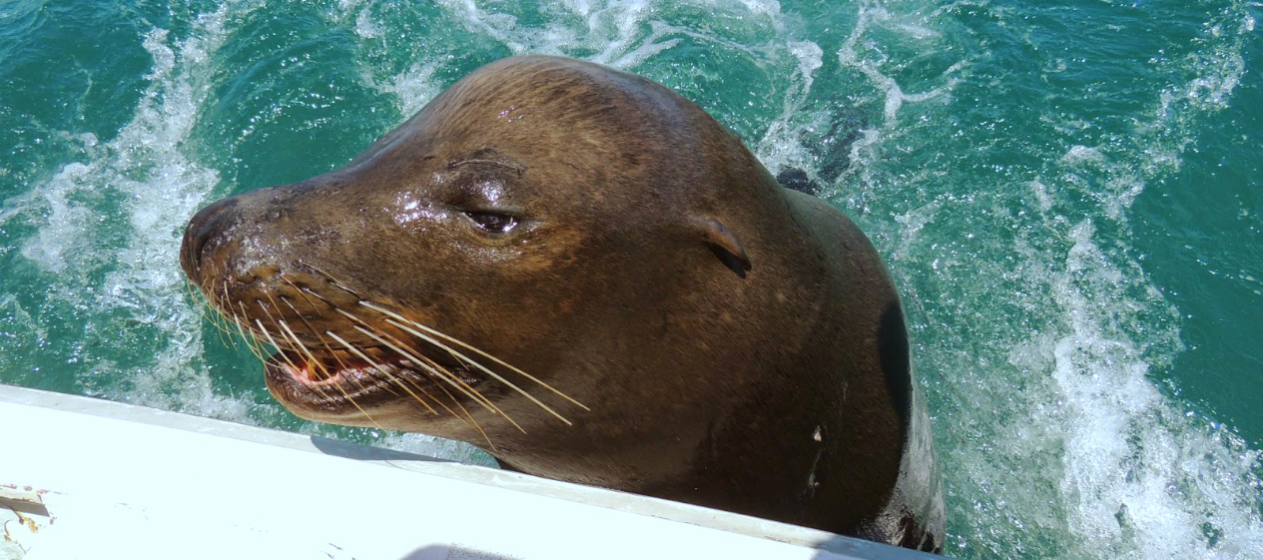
{"x":997,"y":153}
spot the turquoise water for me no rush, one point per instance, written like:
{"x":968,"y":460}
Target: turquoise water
{"x":1067,"y":192}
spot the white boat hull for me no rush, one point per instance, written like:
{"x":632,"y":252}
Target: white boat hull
{"x":83,"y":478}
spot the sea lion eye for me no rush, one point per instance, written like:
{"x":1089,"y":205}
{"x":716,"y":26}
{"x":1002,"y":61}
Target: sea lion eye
{"x":493,"y":222}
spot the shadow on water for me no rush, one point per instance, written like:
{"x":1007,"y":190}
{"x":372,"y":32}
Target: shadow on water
{"x":833,"y":151}
{"x":366,"y":453}
{"x":839,"y":547}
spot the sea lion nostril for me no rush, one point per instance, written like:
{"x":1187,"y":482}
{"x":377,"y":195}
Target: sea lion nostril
{"x":210,"y":221}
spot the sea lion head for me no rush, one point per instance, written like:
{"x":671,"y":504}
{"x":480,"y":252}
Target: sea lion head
{"x":543,"y":217}
{"x":587,"y":275}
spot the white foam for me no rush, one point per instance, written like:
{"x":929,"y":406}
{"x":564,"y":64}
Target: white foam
{"x":1145,"y":479}
{"x":781,"y":146}
{"x":66,"y":233}
{"x":1043,"y":199}
{"x":1065,"y":435}
{"x":1140,"y":477}
{"x":1083,"y":154}
{"x":364,"y":26}
{"x":869,"y":58}
{"x":614,"y":31}
{"x":1060,"y":443}
{"x":501,"y":27}
{"x":413,"y":88}
{"x":158,"y":188}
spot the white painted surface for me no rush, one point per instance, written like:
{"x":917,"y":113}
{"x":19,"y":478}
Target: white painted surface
{"x":123,"y":488}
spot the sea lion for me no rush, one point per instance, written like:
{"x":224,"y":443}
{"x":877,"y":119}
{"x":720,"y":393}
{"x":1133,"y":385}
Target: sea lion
{"x":584,"y":273}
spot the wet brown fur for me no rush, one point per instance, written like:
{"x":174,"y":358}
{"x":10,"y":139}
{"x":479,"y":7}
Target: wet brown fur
{"x":733,"y":344}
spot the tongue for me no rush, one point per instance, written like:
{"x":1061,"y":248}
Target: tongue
{"x":303,"y":369}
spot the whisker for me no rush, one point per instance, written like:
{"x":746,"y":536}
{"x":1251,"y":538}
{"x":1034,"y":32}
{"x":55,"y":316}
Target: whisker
{"x":359,"y":353}
{"x":422,"y":362}
{"x":484,"y":369}
{"x":429,"y":365}
{"x":310,"y":328}
{"x":298,"y":345}
{"x":247,"y":335}
{"x":403,"y":383}
{"x":226,"y":298}
{"x":216,"y":319}
{"x":195,"y":294}
{"x":378,"y":367}
{"x":311,"y":358}
{"x":291,"y":364}
{"x":351,"y":379}
{"x":444,"y":375}
{"x":316,"y":334}
{"x":343,"y":364}
{"x":278,"y":347}
{"x":472,"y":421}
{"x":401,"y":318}
{"x":432,"y":367}
{"x":334,"y":281}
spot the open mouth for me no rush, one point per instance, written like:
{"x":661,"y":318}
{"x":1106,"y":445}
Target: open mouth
{"x":345,"y":365}
{"x":339,"y":357}
{"x":334,"y":379}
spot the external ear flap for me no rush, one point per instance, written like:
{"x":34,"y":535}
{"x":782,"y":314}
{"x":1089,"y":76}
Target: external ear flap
{"x":724,"y":243}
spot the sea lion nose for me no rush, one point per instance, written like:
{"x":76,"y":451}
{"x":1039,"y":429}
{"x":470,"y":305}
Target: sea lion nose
{"x":208,"y":223}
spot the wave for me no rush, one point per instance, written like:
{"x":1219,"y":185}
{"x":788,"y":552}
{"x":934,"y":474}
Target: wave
{"x":986,"y":161}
